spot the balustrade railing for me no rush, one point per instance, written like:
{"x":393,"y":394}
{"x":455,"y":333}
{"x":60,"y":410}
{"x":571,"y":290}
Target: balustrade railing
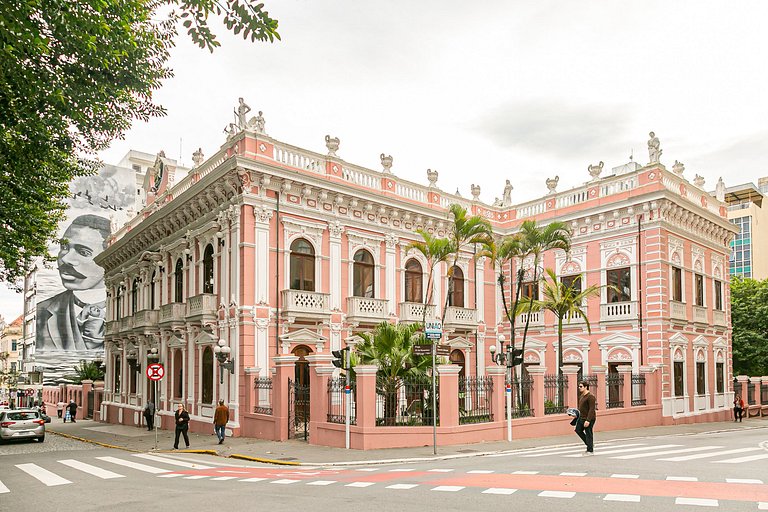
{"x":306,"y":302}
{"x":618,"y":311}
{"x":414,"y":312}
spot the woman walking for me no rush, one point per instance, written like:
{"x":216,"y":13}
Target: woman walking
{"x":182,"y":425}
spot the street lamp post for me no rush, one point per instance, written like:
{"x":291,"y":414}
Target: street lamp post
{"x":222,"y":352}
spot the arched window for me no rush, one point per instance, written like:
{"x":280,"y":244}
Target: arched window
{"x":178,"y":369}
{"x":207,"y":397}
{"x":152,"y":290}
{"x":302,"y":265}
{"x":134,"y":296}
{"x":208,"y":269}
{"x":456,"y":294}
{"x":362,"y":274}
{"x":413,"y":277}
{"x":178,"y":288}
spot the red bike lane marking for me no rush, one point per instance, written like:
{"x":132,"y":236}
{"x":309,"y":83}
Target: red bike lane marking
{"x":602,"y":485}
{"x":339,"y":475}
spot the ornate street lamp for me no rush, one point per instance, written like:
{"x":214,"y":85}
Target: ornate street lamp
{"x":222,"y":352}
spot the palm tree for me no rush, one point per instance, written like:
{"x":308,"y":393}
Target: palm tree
{"x":565,"y":301}
{"x":390,"y":348}
{"x":501,"y":253}
{"x":87,"y":370}
{"x":466,"y":231}
{"x":535,"y":242}
{"x":435,"y":250}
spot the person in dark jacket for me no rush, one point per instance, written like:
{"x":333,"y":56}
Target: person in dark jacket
{"x":220,"y":419}
{"x":586,"y":420}
{"x":182,"y":425}
{"x":72,"y":410}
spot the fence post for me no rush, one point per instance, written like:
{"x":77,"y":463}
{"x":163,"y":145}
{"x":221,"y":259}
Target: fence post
{"x":757,"y":394}
{"x":537,"y":398}
{"x":365,"y":412}
{"x":601,"y":393}
{"x":625,"y":370}
{"x":571,"y":373}
{"x":318,"y":391}
{"x":498,"y":398}
{"x":284,"y":370}
{"x":652,"y":385}
{"x":449,"y":394}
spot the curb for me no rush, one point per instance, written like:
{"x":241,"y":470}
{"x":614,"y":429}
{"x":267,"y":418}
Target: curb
{"x":268,"y":461}
{"x":91,"y":441}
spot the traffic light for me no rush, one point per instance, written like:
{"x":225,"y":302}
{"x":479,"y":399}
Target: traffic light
{"x":338,"y":357}
{"x":517,"y":356}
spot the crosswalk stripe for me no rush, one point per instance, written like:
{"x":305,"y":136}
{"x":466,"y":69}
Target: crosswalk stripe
{"x":172,"y":462}
{"x":169,"y":475}
{"x":134,"y":465}
{"x":633,"y":498}
{"x":640,"y":449}
{"x":284,"y":481}
{"x":322,"y":482}
{"x":572,"y":474}
{"x":401,"y":470}
{"x":579,"y":451}
{"x":525,"y":472}
{"x":739,"y":460}
{"x":402,"y":486}
{"x":707,"y":455}
{"x":682,"y":479}
{"x":744,"y":481}
{"x":91,"y":470}
{"x":701,"y":502}
{"x":499,"y":490}
{"x":762,"y":505}
{"x":448,"y":488}
{"x":222,"y":478}
{"x":666,"y":452}
{"x":43,"y":475}
{"x":254,"y":479}
{"x":550,"y":451}
{"x":440,"y":470}
{"x":3,"y":488}
{"x":480,"y":472}
{"x":628,"y":477}
{"x":368,"y":469}
{"x":195,"y":477}
{"x":557,"y":494}
{"x":360,"y":484}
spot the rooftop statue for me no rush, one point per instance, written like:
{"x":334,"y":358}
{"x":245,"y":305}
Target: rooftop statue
{"x":507,"y":198}
{"x":654,"y":148}
{"x":720,"y":190}
{"x":240,"y":113}
{"x":595,"y":170}
{"x":552,"y":184}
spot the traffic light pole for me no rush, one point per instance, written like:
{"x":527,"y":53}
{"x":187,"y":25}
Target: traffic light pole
{"x":509,"y":402}
{"x":434,"y":399}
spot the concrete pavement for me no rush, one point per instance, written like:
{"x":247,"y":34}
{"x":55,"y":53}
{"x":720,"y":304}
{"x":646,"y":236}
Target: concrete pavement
{"x":294,"y":452}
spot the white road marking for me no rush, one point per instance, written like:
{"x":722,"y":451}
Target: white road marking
{"x":402,"y":486}
{"x":499,"y":490}
{"x":91,"y":470}
{"x":43,"y":475}
{"x":360,"y":484}
{"x":440,"y":470}
{"x":579,"y":451}
{"x":322,"y":482}
{"x":368,"y":469}
{"x":403,"y":470}
{"x":169,"y":475}
{"x":134,"y":465}
{"x":221,"y":478}
{"x":195,"y":477}
{"x":447,"y":488}
{"x":633,"y":498}
{"x":682,"y":478}
{"x":254,"y":479}
{"x":707,"y":455}
{"x":700,"y":502}
{"x":744,"y":481}
{"x":480,"y":472}
{"x":172,"y":462}
{"x":620,"y":475}
{"x":739,"y":460}
{"x":642,"y":448}
{"x":3,"y":488}
{"x":525,"y":472}
{"x":557,"y":494}
{"x":666,"y":452}
{"x":762,"y":505}
{"x":284,"y":481}
{"x":573,"y":474}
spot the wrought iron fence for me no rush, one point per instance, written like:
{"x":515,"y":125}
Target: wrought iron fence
{"x":615,"y":384}
{"x":337,"y":400}
{"x":555,"y":393}
{"x":751,"y":393}
{"x":521,"y":396}
{"x":263,"y":387}
{"x":638,"y":389}
{"x":406,"y":401}
{"x":764,"y":393}
{"x":475,"y":398}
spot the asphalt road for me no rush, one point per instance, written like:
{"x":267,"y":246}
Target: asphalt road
{"x":725,"y":471}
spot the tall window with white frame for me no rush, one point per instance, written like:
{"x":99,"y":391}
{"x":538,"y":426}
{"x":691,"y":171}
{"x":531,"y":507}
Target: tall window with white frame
{"x":178,"y":284}
{"x":619,"y":282}
{"x":719,"y":377}
{"x":134,"y":295}
{"x":302,"y":262}
{"x":413,"y":281}
{"x":152,"y":285}
{"x":208,"y":275}
{"x":456,"y":295}
{"x":207,"y":377}
{"x":678,"y":376}
{"x":701,"y":378}
{"x":699,"y":283}
{"x":718,"y":295}
{"x":677,"y":284}
{"x":362,"y":275}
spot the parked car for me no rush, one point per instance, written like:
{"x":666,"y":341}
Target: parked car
{"x":22,"y":424}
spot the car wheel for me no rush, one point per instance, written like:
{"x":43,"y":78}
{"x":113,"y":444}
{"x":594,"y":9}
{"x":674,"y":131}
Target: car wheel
{"x":41,"y":438}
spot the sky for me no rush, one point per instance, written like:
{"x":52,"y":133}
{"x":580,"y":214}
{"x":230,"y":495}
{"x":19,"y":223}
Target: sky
{"x":483,"y":91}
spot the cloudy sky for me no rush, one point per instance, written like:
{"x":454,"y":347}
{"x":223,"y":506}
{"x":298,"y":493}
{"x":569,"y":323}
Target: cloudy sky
{"x":485,"y":91}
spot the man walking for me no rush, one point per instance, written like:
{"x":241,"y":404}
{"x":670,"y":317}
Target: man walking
{"x":586,"y":420}
{"x":149,"y":415}
{"x":220,"y":419}
{"x":72,"y":410}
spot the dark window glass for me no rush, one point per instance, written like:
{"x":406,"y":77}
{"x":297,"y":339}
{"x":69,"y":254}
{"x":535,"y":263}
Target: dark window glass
{"x":134,"y":296}
{"x":413,"y":277}
{"x":119,"y":304}
{"x":178,"y":288}
{"x":699,"y":289}
{"x":178,"y":366}
{"x":679,"y":378}
{"x":572,"y":282}
{"x":720,"y":377}
{"x":456,"y":294}
{"x":620,"y":285}
{"x":719,"y":295}
{"x":118,"y":370}
{"x":207,"y":397}
{"x":362,"y":274}
{"x":152,"y":285}
{"x":701,"y":387}
{"x":677,"y":284}
{"x":132,"y":371}
{"x":530,"y":290}
{"x":208,"y":269}
{"x":302,"y":266}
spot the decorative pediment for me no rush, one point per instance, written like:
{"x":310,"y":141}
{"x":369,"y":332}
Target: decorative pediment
{"x":678,"y":340}
{"x":304,"y":228}
{"x":175,"y":342}
{"x":572,"y":356}
{"x":719,"y":342}
{"x":460,"y":342}
{"x":575,"y":341}
{"x":302,"y":337}
{"x":205,"y":338}
{"x":532,"y":344}
{"x":619,"y":354}
{"x":700,"y":341}
{"x":619,"y":339}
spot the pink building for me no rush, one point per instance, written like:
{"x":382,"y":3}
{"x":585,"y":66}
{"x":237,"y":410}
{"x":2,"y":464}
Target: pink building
{"x":285,"y":254}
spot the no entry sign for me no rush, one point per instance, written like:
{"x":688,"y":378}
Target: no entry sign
{"x":155,"y":371}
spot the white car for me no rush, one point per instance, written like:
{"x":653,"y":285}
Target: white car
{"x":21,"y":424}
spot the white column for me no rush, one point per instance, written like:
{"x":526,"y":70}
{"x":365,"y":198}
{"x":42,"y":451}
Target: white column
{"x":480,"y":290}
{"x":439,"y":279}
{"x":262,"y":345}
{"x":335,"y":230}
{"x":262,"y":272}
{"x":390,"y":272}
{"x":480,"y":351}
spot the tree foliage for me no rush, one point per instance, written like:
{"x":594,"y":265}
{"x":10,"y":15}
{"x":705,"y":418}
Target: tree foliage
{"x":74,"y":75}
{"x":87,"y":370}
{"x":749,"y":316}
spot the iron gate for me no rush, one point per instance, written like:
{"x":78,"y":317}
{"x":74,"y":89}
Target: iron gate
{"x":89,"y":408}
{"x":298,"y":411}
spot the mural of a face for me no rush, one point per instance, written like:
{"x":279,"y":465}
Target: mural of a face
{"x":77,"y":269}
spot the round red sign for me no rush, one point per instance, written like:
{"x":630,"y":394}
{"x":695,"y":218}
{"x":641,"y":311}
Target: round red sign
{"x":155,"y":371}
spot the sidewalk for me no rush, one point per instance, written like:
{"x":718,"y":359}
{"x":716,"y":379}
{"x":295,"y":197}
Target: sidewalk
{"x":299,"y":452}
